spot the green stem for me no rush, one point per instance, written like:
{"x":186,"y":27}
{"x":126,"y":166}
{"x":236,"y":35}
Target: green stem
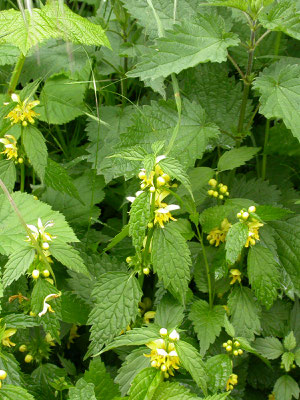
{"x":264,"y":160}
{"x":15,"y":76}
{"x":22,"y":184}
{"x":179,"y":107}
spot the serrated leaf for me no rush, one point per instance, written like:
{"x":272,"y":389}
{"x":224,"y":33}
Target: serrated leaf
{"x":175,"y":170}
{"x":264,"y":275}
{"x":133,"y":364}
{"x":8,"y":173}
{"x":234,"y":158}
{"x":57,"y":178}
{"x":82,"y":391}
{"x":69,"y":257}
{"x":279,"y":86}
{"x":245,"y":312}
{"x":61,"y":100}
{"x":116,"y":305}
{"x":191,"y":360}
{"x":201,"y":40}
{"x":144,"y":384}
{"x":288,"y":360}
{"x":271,"y":213}
{"x":139,"y":218}
{"x":207,"y":323}
{"x":73,"y":309}
{"x":283,"y":17}
{"x":36,"y":149}
{"x":169,"y":313}
{"x":269,"y":347}
{"x":10,"y":392}
{"x":18,"y":263}
{"x":229,"y":328}
{"x":171,"y":260}
{"x":235,"y":241}
{"x":8,"y":54}
{"x":286,"y":387}
{"x":19,"y":321}
{"x":104,"y":386}
{"x":212,"y":217}
{"x":219,"y":368}
{"x":173,"y":391}
{"x":47,"y":374}
{"x":290,"y":341}
{"x":42,"y":288}
{"x":9,"y":364}
{"x":297,"y":357}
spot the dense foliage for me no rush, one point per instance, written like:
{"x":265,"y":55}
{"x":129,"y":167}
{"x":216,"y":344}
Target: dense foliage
{"x":149,"y":205}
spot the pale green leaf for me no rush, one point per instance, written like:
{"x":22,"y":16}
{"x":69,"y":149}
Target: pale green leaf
{"x":116,"y":297}
{"x":171,"y":260}
{"x":279,"y":88}
{"x":297,"y":357}
{"x":173,"y":391}
{"x":264,"y":275}
{"x":235,"y":241}
{"x":269,"y":347}
{"x":139,"y":218}
{"x":286,"y":388}
{"x":82,"y":391}
{"x":18,"y":263}
{"x":229,"y":328}
{"x":169,"y":313}
{"x":9,"y":364}
{"x":8,"y":54}
{"x":144,"y":384}
{"x":212,"y":217}
{"x":8,"y":173}
{"x":207,"y":323}
{"x":234,"y":158}
{"x":245,"y":312}
{"x":42,"y":288}
{"x":36,"y":149}
{"x":175,"y":170}
{"x":290,"y":341}
{"x":195,"y":41}
{"x":288,"y":360}
{"x":69,"y":257}
{"x":271,"y":213}
{"x":10,"y":392}
{"x":219,"y":368}
{"x":191,"y":360}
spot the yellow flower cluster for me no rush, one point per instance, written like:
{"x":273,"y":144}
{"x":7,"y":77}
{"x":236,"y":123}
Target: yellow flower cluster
{"x":232,"y":381}
{"x":253,"y":225}
{"x":10,"y":147}
{"x":23,"y":111}
{"x":218,"y":235}
{"x":163,"y":354}
{"x":42,"y":237}
{"x":235,"y":274}
{"x":233,"y":347}
{"x":218,"y":190}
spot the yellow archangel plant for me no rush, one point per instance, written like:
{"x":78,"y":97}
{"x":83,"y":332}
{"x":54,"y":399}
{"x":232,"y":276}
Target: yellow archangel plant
{"x":23,"y":111}
{"x":10,"y":147}
{"x":218,"y":235}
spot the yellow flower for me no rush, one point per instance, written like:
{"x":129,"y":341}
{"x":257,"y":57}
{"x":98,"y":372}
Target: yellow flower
{"x":18,"y":296}
{"x":148,"y":316}
{"x":23,"y":111}
{"x":10,"y":145}
{"x":49,"y":339}
{"x":271,"y":396}
{"x":6,"y":337}
{"x":232,"y":381}
{"x":235,"y":274}
{"x":163,"y":356}
{"x":73,"y":335}
{"x":253,"y":234}
{"x":218,"y":235}
{"x":163,"y":214}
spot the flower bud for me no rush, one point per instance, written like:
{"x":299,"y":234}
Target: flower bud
{"x":15,"y":97}
{"x":142,"y":175}
{"x":210,"y":192}
{"x":32,"y":314}
{"x":240,"y":351}
{"x":227,"y":194}
{"x":237,"y":344}
{"x":163,"y":332}
{"x":212,"y":182}
{"x":24,"y":123}
{"x":45,"y":246}
{"x":35,"y":274}
{"x":229,"y":342}
{"x":239,"y":215}
{"x":224,"y":345}
{"x":221,"y":197}
{"x":143,"y":185}
{"x":223,"y":189}
{"x":146,"y":271}
{"x":163,"y":368}
{"x":160,"y":181}
{"x":23,"y":348}
{"x":235,"y":353}
{"x":152,"y":189}
{"x":228,"y":348}
{"x":28,"y":358}
{"x":153,"y":364}
{"x":166,"y":177}
{"x":128,"y":260}
{"x":3,"y":374}
{"x":245,"y":215}
{"x":150,"y":225}
{"x":20,"y":160}
{"x":252,"y":209}
{"x":215,"y":194}
{"x":174,"y":335}
{"x":46,"y":273}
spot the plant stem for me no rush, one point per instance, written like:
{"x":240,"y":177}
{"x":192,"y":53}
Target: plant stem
{"x":22,"y":184}
{"x":236,"y":66}
{"x":264,"y":160}
{"x":15,"y":76}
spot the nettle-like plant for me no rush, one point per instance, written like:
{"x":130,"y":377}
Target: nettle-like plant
{"x":150,"y":228}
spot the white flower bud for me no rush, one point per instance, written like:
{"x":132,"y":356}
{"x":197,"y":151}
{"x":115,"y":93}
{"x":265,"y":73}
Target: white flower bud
{"x":174,"y":335}
{"x":163,"y":332}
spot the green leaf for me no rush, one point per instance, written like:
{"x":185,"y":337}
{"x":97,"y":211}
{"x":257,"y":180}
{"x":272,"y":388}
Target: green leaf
{"x":297,"y":357}
{"x":173,"y":391}
{"x":264,"y":275}
{"x":288,"y":360}
{"x":212,"y":217}
{"x":18,"y":263}
{"x":171,"y":260}
{"x":278,"y":86}
{"x":116,"y":305}
{"x":175,"y":170}
{"x":10,"y":392}
{"x":219,"y":368}
{"x":283,"y":17}
{"x":73,"y":309}
{"x":234,"y":158}
{"x":46,"y":375}
{"x":104,"y":386}
{"x":19,"y":321}
{"x":69,"y":257}
{"x":169,"y":313}
{"x":144,"y":384}
{"x":207,"y":323}
{"x":295,"y":320}
{"x":8,"y":54}
{"x":82,"y":391}
{"x":245,"y":312}
{"x":36,"y":149}
{"x":194,"y":41}
{"x":57,"y":178}
{"x":285,"y":388}
{"x":61,"y":100}
{"x":271,"y":213}
{"x":9,"y":364}
{"x":42,"y":288}
{"x":229,"y":328}
{"x":269,"y":347}
{"x":8,"y":173}
{"x":235,"y":241}
{"x":290,"y":341}
{"x":139,"y":218}
{"x":287,"y":236}
{"x":191,"y":360}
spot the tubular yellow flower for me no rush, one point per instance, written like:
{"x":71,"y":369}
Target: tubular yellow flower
{"x":232,"y":381}
{"x":73,"y":335}
{"x":271,"y":396}
{"x":6,"y":337}
{"x":163,"y":356}
{"x":10,"y":145}
{"x":148,"y":316}
{"x":163,"y":214}
{"x":235,"y":274}
{"x":23,"y":111}
{"x":253,"y":234}
{"x":218,"y":235}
